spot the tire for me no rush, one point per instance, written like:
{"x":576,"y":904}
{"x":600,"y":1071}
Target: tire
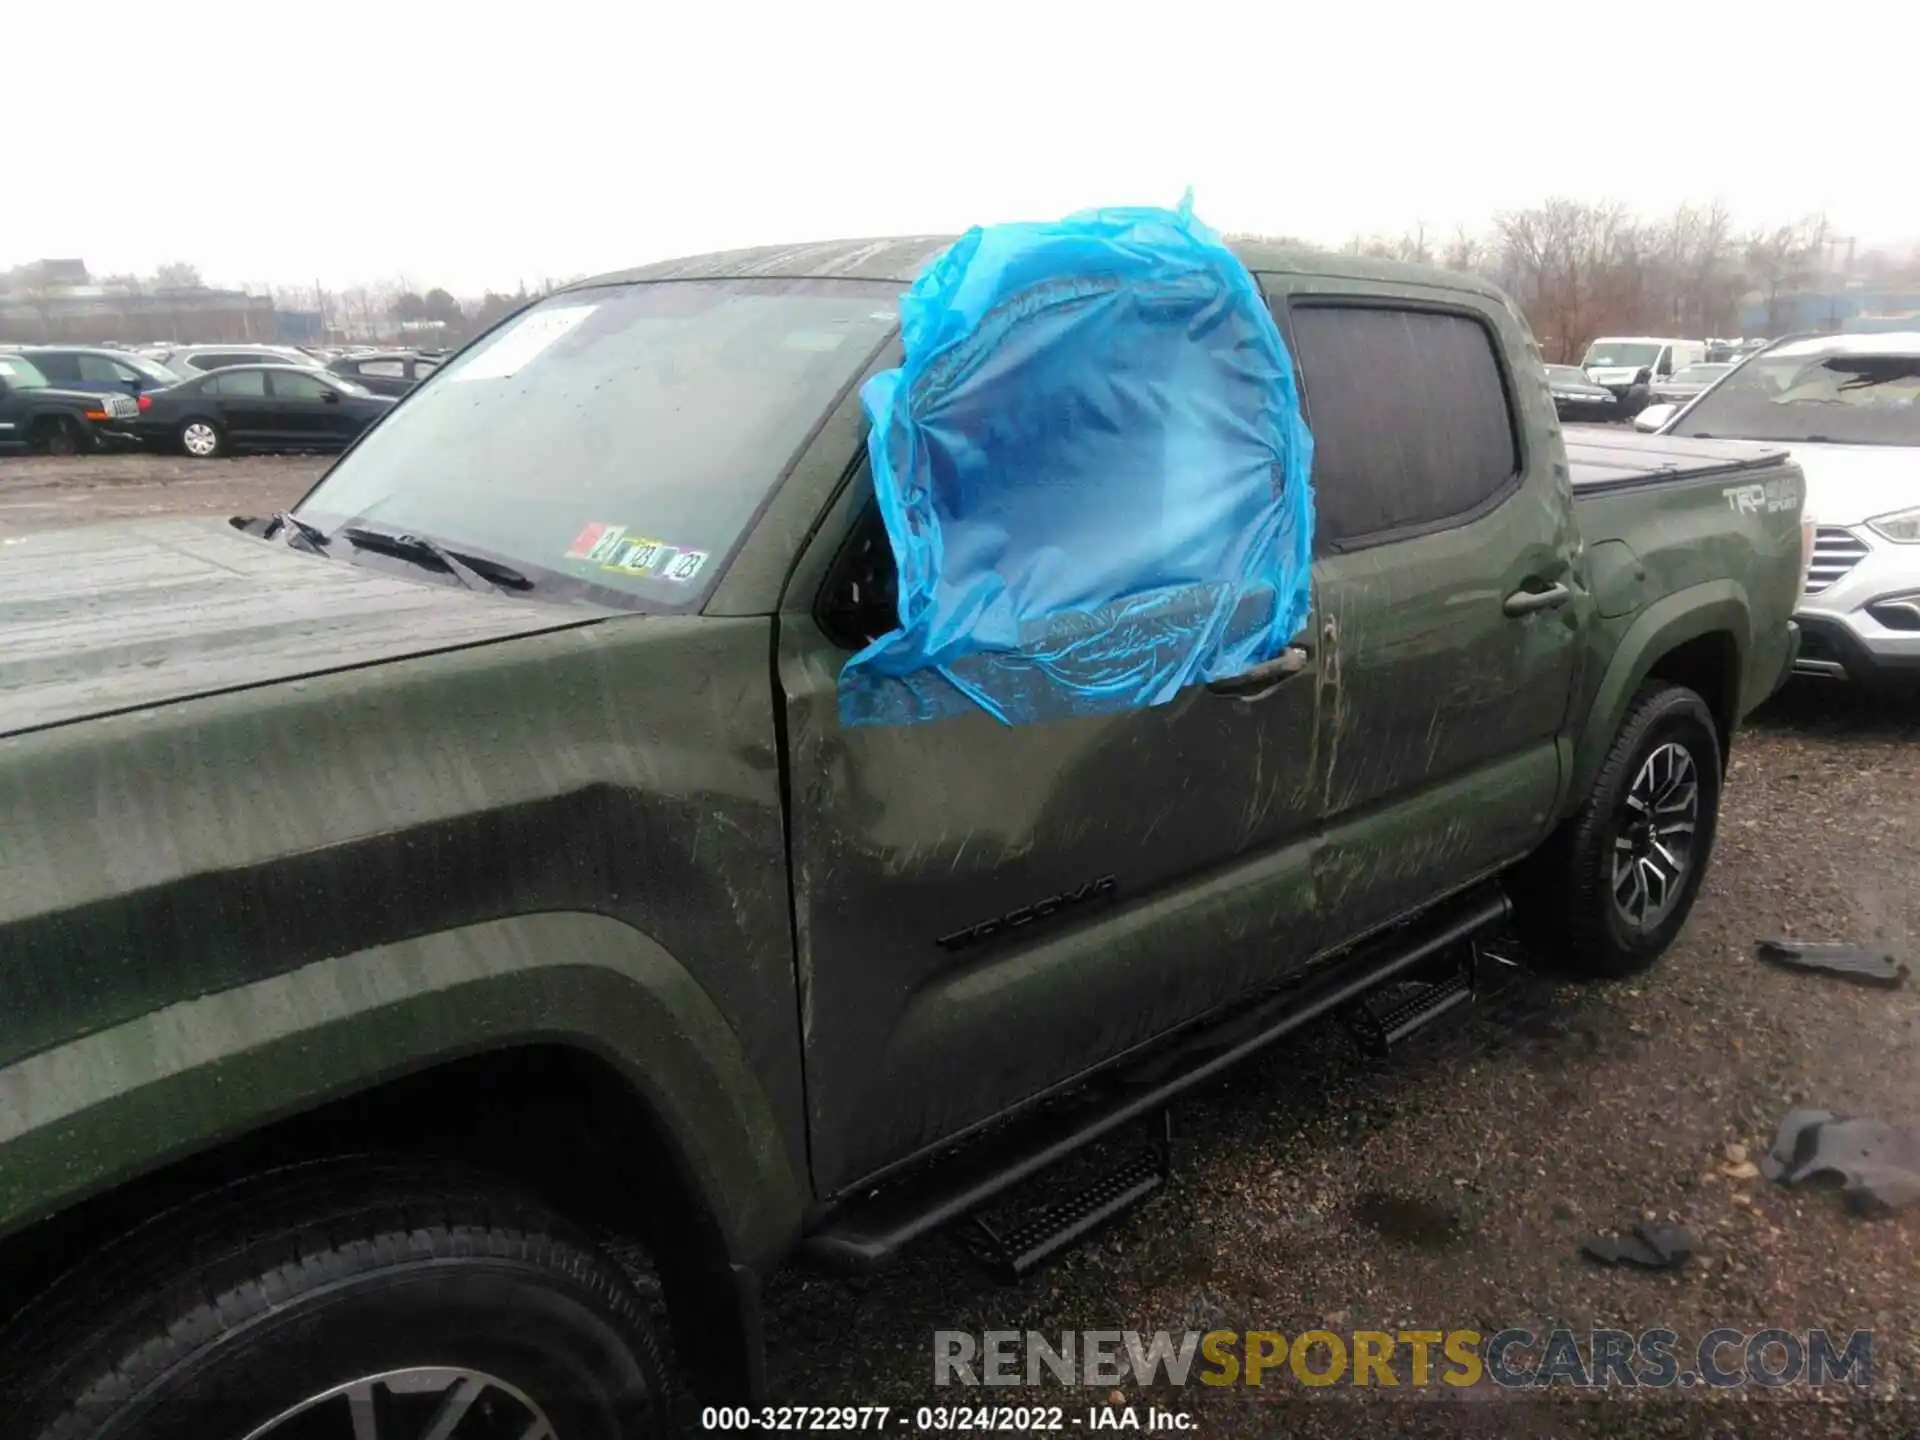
{"x":1572,"y":916}
{"x":202,"y":439}
{"x":60,"y":437}
{"x":251,"y":1309}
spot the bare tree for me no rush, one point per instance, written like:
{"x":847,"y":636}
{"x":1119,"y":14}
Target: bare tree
{"x":1464,"y":251}
{"x":1780,"y":259}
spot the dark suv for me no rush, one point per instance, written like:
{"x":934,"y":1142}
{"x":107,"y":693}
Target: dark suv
{"x":99,"y":370}
{"x":392,"y":372}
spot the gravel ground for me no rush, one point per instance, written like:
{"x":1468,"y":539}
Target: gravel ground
{"x":1451,"y":1186}
{"x":41,"y":493}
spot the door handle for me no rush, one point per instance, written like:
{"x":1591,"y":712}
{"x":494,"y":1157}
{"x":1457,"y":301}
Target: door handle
{"x":1529,"y":602}
{"x":1265,"y":677}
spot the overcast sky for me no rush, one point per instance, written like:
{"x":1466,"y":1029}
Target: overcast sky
{"x":471,"y":145}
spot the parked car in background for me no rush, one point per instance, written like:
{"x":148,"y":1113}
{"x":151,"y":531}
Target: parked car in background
{"x":1848,"y":408}
{"x":393,"y":373}
{"x":36,"y":414}
{"x":190,"y":360}
{"x":259,"y":407}
{"x":1630,"y":365}
{"x":1687,"y":382}
{"x":1576,"y":398}
{"x":99,"y":370}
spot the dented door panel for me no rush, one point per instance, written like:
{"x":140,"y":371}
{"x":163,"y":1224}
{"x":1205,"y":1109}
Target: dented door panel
{"x":985,"y":911}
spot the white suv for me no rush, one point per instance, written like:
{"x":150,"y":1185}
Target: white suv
{"x":1848,"y":407}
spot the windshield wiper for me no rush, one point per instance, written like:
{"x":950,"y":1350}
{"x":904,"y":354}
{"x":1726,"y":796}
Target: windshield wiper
{"x":295,"y":526}
{"x":470,"y":570}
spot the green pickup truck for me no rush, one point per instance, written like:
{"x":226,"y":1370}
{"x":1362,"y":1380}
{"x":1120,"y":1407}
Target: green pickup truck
{"x":450,"y":958}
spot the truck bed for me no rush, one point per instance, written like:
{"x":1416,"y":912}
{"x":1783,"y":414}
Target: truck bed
{"x":1601,"y":460}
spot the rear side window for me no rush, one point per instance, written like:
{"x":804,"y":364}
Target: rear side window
{"x":393,"y":369}
{"x":238,"y":383}
{"x":1410,"y":417}
{"x":59,"y":368}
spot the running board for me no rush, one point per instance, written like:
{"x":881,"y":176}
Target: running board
{"x":870,"y":1231}
{"x":1017,"y":1251}
{"x":1394,"y":1014}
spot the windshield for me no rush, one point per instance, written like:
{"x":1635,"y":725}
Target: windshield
{"x":21,"y":373}
{"x":1567,"y":375}
{"x":1841,"y":399}
{"x":1699,"y":374}
{"x":616,"y":440}
{"x":1617,"y":355}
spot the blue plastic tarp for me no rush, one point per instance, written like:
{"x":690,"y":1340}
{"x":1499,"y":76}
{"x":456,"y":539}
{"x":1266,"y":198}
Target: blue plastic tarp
{"x":1094,"y":473}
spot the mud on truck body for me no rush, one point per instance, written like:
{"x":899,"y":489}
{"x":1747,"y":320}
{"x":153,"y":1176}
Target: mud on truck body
{"x":459,"y":938}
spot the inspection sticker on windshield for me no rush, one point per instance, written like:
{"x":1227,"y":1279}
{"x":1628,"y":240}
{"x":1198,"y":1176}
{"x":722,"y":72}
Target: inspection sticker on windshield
{"x":684,"y":566}
{"x":519,"y":343}
{"x":596,"y":542}
{"x":616,"y":549}
{"x":636,"y":556}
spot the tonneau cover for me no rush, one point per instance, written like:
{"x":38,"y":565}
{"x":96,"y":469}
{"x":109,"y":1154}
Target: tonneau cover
{"x":1615,"y":459}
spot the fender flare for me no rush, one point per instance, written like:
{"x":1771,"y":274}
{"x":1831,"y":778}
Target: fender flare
{"x":1715,"y":607}
{"x":105,"y":1108}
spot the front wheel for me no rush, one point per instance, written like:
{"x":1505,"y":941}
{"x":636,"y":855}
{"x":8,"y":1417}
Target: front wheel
{"x":339,"y":1299}
{"x":1611,"y":890}
{"x":202,"y":439}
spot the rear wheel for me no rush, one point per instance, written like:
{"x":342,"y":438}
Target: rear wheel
{"x":1611,"y":891}
{"x":202,"y":439}
{"x":60,"y":436}
{"x":353,"y":1299}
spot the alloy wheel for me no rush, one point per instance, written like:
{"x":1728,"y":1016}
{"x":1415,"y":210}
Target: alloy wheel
{"x":200,"y":439}
{"x":1654,"y":841}
{"x":420,"y":1403}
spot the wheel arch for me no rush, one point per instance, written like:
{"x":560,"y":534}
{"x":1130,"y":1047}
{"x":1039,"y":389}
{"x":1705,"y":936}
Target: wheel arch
{"x":50,"y":422}
{"x":592,"y":1073}
{"x":1697,"y":637}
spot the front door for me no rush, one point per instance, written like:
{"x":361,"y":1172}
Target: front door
{"x":1447,"y":588}
{"x":306,"y":410}
{"x":984,"y":911}
{"x":107,"y":376}
{"x":383,"y":377}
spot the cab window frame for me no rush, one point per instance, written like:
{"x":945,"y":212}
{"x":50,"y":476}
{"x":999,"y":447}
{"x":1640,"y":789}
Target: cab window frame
{"x":1285,"y":305}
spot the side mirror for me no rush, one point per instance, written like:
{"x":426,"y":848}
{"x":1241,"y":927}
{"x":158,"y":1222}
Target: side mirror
{"x":330,"y":396}
{"x":1653,"y":417}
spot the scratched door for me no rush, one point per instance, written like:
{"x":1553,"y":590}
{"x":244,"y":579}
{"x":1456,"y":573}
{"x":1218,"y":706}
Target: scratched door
{"x":985,"y":911}
{"x":1448,"y":592}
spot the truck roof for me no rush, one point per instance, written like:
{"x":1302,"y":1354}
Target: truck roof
{"x":1641,"y":340}
{"x":901,"y":259}
{"x":1886,"y":342}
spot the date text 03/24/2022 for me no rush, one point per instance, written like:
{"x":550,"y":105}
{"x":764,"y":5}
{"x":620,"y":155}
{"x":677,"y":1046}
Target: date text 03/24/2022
{"x":1002,"y":1419}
